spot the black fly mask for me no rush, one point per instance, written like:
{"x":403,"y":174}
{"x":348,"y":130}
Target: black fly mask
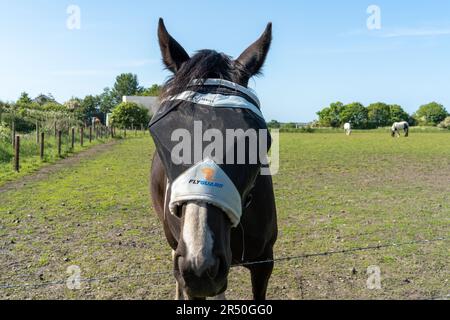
{"x":212,"y":140}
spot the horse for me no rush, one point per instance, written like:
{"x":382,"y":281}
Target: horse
{"x":397,"y":126}
{"x":206,"y":239}
{"x":348,"y":129}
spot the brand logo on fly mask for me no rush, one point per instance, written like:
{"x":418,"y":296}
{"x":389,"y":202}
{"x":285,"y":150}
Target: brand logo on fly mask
{"x":209,"y":175}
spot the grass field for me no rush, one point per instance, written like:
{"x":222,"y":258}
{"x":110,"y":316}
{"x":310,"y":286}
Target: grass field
{"x":30,"y":160}
{"x":333,"y":192}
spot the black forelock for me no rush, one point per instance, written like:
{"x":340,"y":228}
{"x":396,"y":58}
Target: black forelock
{"x":205,"y":64}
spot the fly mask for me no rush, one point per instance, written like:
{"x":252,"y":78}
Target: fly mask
{"x":212,"y":140}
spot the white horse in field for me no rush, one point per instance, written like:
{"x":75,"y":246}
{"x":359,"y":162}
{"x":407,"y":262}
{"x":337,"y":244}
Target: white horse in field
{"x":348,"y":128}
{"x":396,"y":127}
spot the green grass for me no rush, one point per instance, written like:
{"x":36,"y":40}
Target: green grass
{"x":333,"y":192}
{"x":30,"y":160}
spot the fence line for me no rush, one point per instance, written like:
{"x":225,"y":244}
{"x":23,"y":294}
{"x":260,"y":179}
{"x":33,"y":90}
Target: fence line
{"x":352,"y":250}
{"x":113,"y":278}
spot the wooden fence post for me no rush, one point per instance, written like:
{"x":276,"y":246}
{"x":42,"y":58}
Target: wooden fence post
{"x":90,"y":134}
{"x":73,"y":138}
{"x":17,"y":154}
{"x":59,"y":143}
{"x":82,"y":136}
{"x":42,"y":145}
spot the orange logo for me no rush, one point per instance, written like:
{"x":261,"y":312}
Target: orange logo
{"x":209,"y":174}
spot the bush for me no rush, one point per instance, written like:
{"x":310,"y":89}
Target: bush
{"x":445,"y":124}
{"x":274,"y":124}
{"x":53,"y":106}
{"x":5,"y":134}
{"x":128,"y":114}
{"x":21,"y":124}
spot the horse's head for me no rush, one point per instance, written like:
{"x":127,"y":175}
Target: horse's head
{"x":203,"y":257}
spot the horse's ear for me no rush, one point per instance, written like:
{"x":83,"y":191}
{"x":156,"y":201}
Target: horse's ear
{"x":172,"y":52}
{"x":252,"y":60}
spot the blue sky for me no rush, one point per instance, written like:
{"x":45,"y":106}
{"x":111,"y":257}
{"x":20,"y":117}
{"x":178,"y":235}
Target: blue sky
{"x":322,"y":50}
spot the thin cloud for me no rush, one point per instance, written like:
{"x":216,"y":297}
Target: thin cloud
{"x":419,"y":32}
{"x":398,"y":32}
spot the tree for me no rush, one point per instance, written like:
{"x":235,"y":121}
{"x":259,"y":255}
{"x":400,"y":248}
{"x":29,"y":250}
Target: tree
{"x":153,"y":91}
{"x":379,"y":115}
{"x":356,"y":114}
{"x":107,"y":101}
{"x":397,"y":114}
{"x":24,"y":99}
{"x":128,"y":114}
{"x":274,"y":124}
{"x":127,"y":84}
{"x":331,"y":116}
{"x":88,"y":108}
{"x":431,"y":114}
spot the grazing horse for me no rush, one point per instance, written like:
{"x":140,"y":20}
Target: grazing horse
{"x":230,"y":218}
{"x":396,"y":127}
{"x":348,"y":129}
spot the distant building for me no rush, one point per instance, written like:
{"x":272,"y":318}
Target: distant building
{"x":43,"y":99}
{"x":108,"y":119}
{"x":151,"y":103}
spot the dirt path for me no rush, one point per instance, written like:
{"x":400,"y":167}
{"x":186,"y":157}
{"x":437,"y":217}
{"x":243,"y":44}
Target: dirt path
{"x":45,"y":171}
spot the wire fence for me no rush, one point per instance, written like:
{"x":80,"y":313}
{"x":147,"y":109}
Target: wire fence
{"x":161,"y":274}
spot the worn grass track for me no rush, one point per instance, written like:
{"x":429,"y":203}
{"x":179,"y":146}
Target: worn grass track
{"x":333,"y":193}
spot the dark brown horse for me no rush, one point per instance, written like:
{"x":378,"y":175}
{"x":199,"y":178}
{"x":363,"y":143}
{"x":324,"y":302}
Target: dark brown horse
{"x":205,"y":245}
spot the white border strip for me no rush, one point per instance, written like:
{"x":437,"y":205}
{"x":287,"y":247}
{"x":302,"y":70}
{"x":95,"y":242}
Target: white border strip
{"x":231,"y":85}
{"x":218,"y":101}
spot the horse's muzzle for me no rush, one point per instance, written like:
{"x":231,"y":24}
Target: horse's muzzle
{"x":202,"y":281}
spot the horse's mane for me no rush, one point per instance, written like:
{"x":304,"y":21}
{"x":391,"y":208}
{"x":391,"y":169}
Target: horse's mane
{"x":205,"y":64}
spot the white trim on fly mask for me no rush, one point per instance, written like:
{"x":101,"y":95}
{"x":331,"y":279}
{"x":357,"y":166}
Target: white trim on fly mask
{"x":230,"y":85}
{"x":219,"y":100}
{"x":207,"y":182}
